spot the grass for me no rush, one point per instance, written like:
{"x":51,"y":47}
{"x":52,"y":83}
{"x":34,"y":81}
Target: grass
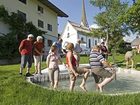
{"x":14,"y":90}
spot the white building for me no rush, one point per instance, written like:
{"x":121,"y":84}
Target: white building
{"x":73,"y":31}
{"x":42,"y":13}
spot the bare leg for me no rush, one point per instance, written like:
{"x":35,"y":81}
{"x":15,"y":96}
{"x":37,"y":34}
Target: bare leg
{"x":105,"y":81}
{"x":72,"y":84}
{"x":100,"y":86}
{"x":55,"y":84}
{"x":21,"y":70}
{"x":132,"y":63}
{"x":39,"y":68}
{"x":28,"y":70}
{"x":84,"y":80}
{"x":36,"y":70}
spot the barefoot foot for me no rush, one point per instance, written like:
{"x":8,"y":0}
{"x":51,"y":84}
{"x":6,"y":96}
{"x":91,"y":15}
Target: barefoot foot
{"x":100,"y":87}
{"x":83,"y":88}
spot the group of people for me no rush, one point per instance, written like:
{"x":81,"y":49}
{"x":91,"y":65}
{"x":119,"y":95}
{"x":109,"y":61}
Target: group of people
{"x":27,"y":48}
{"x":97,"y":67}
{"x":97,"y":62}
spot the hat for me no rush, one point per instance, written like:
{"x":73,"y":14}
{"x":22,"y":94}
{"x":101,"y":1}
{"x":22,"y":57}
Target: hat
{"x":30,"y":35}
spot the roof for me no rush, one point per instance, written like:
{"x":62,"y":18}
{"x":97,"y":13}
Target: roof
{"x":79,"y":27}
{"x":54,"y":8}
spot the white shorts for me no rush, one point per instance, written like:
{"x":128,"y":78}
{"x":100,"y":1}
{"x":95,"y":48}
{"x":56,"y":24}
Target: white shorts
{"x":37,"y":60}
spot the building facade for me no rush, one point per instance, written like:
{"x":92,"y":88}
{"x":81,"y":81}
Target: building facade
{"x":42,"y":13}
{"x":73,"y":32}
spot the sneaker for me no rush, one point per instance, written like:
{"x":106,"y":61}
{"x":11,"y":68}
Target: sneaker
{"x":28,"y":74}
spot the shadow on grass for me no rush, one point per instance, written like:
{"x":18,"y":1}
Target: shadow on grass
{"x":118,"y":62}
{"x":121,"y":65}
{"x":137,"y":65}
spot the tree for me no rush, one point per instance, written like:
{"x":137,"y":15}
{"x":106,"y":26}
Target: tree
{"x":132,"y":17}
{"x":109,"y":21}
{"x":102,"y":3}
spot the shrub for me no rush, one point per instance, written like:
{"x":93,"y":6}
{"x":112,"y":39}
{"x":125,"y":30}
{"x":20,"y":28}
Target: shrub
{"x":18,"y":31}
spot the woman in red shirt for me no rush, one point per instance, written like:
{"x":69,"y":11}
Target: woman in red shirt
{"x":38,"y":50}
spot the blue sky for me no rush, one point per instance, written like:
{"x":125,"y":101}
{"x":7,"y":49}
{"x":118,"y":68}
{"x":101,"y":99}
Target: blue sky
{"x":73,"y":8}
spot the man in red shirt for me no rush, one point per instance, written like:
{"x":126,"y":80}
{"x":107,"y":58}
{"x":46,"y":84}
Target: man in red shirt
{"x":25,"y":50}
{"x":38,"y":50}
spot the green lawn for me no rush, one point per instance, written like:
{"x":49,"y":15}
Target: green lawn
{"x":14,"y":90}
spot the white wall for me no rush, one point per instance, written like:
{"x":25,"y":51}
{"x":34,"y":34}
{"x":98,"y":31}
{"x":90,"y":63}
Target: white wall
{"x":72,"y":34}
{"x":32,"y":15}
{"x":48,"y":17}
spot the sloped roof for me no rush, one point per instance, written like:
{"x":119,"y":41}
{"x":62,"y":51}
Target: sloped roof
{"x":54,"y":8}
{"x":80,"y":28}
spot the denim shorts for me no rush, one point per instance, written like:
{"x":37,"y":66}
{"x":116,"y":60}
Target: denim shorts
{"x":26,"y":59}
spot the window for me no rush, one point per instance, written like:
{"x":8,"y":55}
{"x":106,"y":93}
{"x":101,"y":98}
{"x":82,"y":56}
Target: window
{"x":49,"y":43}
{"x":82,"y":39}
{"x":40,"y":24}
{"x":95,"y":42}
{"x":22,"y":15}
{"x":40,"y":9}
{"x":68,"y":35}
{"x":89,"y":43}
{"x":49,"y":27}
{"x":23,"y":1}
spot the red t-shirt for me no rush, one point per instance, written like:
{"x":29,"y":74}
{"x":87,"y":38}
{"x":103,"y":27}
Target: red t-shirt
{"x":39,"y":46}
{"x":73,"y":61}
{"x":26,"y":47}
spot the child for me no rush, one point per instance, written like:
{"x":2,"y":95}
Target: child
{"x":52,"y":62}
